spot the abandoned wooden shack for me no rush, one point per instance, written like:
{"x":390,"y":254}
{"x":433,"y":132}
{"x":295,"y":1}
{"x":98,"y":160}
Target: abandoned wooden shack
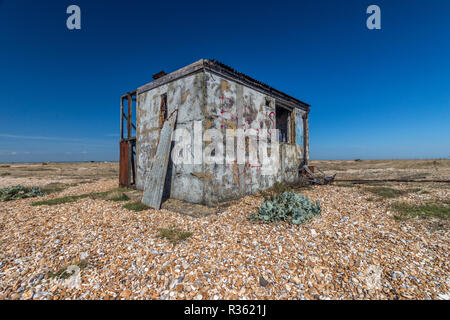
{"x":218,"y":97}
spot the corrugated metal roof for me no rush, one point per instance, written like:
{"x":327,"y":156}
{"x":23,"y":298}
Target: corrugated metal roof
{"x":245,"y":77}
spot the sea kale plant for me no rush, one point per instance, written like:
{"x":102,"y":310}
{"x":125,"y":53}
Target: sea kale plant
{"x":289,"y":207}
{"x":19,"y":192}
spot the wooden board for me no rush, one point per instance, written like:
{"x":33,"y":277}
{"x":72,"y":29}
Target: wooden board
{"x":154,"y":185}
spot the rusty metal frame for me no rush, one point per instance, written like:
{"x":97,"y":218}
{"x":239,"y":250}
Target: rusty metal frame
{"x":129,"y":97}
{"x":127,"y":176}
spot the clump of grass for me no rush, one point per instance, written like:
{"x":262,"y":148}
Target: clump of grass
{"x":430,"y":210}
{"x":442,"y":186}
{"x":5,"y":166}
{"x":121,"y":197}
{"x":344,"y":184}
{"x":62,"y":200}
{"x":136,"y":206}
{"x":389,"y":193}
{"x":57,"y":187}
{"x":386,"y":193}
{"x":62,"y":273}
{"x":337,"y":169}
{"x":413,"y":190}
{"x":4,"y":174}
{"x":276,"y":189}
{"x":106,"y":195}
{"x":421,"y":175}
{"x":117,"y":196}
{"x":279,"y":188}
{"x":376,"y":184}
{"x":53,"y":187}
{"x":173,"y":235}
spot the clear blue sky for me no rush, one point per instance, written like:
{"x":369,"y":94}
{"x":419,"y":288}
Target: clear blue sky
{"x":373,"y":93}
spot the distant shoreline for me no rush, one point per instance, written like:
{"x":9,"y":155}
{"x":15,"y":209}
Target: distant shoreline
{"x":116,"y":161}
{"x":48,"y":162}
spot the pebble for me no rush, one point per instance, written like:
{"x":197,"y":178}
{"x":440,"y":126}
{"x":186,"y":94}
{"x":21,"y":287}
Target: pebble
{"x":263,"y":282}
{"x":227,"y":256}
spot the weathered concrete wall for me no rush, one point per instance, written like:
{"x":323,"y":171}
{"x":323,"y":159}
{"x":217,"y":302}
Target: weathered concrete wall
{"x":220,"y":104}
{"x":231,"y":105}
{"x":186,"y":95}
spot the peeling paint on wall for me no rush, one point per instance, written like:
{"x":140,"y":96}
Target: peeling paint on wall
{"x":222,"y":104}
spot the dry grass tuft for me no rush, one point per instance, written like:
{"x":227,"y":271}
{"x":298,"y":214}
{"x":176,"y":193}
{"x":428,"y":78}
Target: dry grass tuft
{"x":174,"y":235}
{"x":136,"y":206}
{"x":430,"y":210}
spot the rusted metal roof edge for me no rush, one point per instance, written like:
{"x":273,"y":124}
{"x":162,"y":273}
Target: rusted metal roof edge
{"x":249,"y":81}
{"x":283,"y":99}
{"x":192,"y":68}
{"x":231,"y":74}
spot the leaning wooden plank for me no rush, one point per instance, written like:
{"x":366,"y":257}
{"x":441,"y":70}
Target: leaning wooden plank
{"x":154,"y":186}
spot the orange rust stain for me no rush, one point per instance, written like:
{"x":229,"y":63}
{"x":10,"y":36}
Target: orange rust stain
{"x":231,"y":124}
{"x":184,"y":96}
{"x":224,"y":85}
{"x":209,"y":123}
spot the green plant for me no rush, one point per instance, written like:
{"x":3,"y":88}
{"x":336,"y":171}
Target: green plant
{"x":117,"y":196}
{"x":344,"y":184}
{"x":63,"y":273}
{"x":385,"y":192}
{"x":173,"y":235}
{"x":288,"y":206}
{"x":113,"y":195}
{"x":52,"y":202}
{"x":19,"y":192}
{"x":277,"y":188}
{"x":413,"y":190}
{"x":53,"y":187}
{"x":136,"y":206}
{"x":389,"y":193}
{"x":435,"y":210}
{"x":121,"y":197}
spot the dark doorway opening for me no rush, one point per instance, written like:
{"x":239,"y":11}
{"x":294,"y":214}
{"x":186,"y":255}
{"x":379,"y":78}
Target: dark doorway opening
{"x":282,"y":123}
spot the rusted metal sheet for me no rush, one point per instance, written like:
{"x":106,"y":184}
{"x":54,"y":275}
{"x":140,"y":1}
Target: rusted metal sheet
{"x":159,"y":75}
{"x":154,"y":186}
{"x":123,"y":163}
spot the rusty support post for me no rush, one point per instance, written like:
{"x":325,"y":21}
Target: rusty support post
{"x":121,"y":118}
{"x":130,"y":155}
{"x":124,"y":164}
{"x":306,"y":137}
{"x":130,"y":104}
